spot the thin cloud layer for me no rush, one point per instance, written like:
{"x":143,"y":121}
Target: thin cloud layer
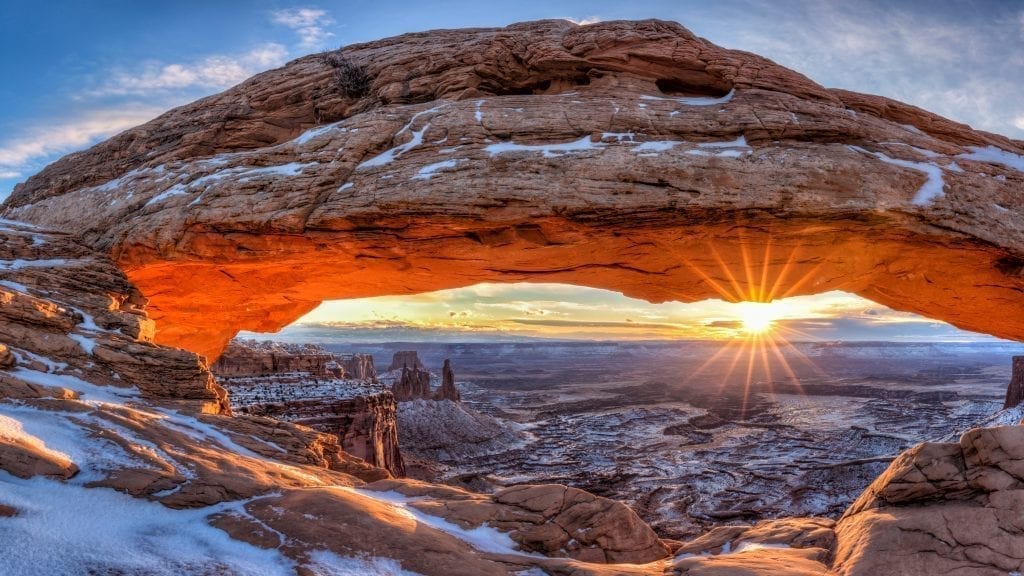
{"x":58,"y":138}
{"x":211,"y":72}
{"x":308,"y":23}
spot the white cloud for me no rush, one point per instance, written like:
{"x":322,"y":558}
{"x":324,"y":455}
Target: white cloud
{"x":584,"y":21}
{"x":1019,"y":122}
{"x":308,"y":23}
{"x":216,"y":71}
{"x":18,"y":152}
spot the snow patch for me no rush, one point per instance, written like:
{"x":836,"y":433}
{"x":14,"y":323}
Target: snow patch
{"x":428,"y":171}
{"x":933,"y":185}
{"x":754,"y":546}
{"x":389,"y":155}
{"x":85,"y":342}
{"x":996,"y":155}
{"x":655,"y":146}
{"x":67,"y":529}
{"x":548,"y":150}
{"x":328,"y":563}
{"x":707,"y":100}
{"x":12,"y":430}
{"x":313,"y":133}
{"x":483,"y":538}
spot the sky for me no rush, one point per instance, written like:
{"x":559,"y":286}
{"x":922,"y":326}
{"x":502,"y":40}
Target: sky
{"x":74,"y":73}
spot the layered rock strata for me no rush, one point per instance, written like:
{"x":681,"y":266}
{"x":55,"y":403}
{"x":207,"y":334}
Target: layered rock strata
{"x":366,"y":425}
{"x":262,"y":359}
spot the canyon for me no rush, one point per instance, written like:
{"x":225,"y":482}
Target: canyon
{"x":632,"y":156}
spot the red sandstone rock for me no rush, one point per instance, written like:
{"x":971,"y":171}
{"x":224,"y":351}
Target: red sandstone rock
{"x":1015,"y":389}
{"x":448,"y":391}
{"x":405,"y":359}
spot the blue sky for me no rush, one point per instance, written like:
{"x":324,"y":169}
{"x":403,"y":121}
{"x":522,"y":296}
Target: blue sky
{"x":76,"y":72}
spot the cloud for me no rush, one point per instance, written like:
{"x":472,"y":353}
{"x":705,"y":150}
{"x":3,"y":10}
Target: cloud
{"x":217,"y":71}
{"x":1019,"y":122}
{"x":584,"y":21}
{"x":308,"y":23}
{"x":17,"y":153}
{"x":593,"y":324}
{"x":956,"y":66}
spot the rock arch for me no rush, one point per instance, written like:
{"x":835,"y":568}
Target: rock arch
{"x":630,"y":156}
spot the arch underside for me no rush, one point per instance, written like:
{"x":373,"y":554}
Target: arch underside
{"x":275,"y":279}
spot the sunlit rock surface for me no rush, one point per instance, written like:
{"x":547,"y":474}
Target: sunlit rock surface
{"x":631,"y":156}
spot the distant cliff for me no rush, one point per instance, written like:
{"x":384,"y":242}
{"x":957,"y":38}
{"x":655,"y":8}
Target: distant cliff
{"x":367,"y":425}
{"x":307,"y":385}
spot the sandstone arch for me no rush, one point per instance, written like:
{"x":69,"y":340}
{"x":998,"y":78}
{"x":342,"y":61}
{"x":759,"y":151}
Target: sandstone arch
{"x":629,"y":156}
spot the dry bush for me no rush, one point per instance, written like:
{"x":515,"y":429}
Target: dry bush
{"x":348,"y":75}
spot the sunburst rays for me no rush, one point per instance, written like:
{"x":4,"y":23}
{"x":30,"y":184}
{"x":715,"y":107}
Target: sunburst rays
{"x":762,"y":347}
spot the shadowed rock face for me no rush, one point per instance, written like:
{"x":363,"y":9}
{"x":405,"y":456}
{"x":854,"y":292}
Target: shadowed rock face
{"x":631,"y":156}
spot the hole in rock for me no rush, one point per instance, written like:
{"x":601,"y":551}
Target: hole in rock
{"x":676,"y":87}
{"x":695,"y":414}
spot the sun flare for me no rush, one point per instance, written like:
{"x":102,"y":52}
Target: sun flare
{"x":757,"y":317}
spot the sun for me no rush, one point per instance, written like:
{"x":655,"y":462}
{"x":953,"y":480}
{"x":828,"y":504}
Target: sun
{"x":757,"y":317}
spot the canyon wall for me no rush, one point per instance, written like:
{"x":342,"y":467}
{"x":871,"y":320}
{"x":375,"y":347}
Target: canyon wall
{"x":357,"y":366}
{"x":366,"y":425}
{"x":265,"y":358}
{"x":304,"y":384}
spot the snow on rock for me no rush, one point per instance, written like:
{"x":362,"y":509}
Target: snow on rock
{"x":389,"y":155}
{"x":430,"y":170}
{"x":12,"y":430}
{"x":695,"y":100}
{"x":996,"y":155}
{"x":328,"y":563}
{"x":706,"y":100}
{"x":933,"y":185}
{"x":548,"y":150}
{"x":64,"y":529}
{"x":483,"y":538}
{"x":314,"y":133}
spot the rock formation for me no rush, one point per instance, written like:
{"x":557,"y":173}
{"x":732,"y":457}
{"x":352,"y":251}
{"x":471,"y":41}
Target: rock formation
{"x":405,"y":359}
{"x":412,"y":385}
{"x":1015,"y":389}
{"x":358,"y":366}
{"x":941,"y":508}
{"x":69,"y":313}
{"x":366,"y":425}
{"x":262,"y":359}
{"x":607,"y":155}
{"x":448,"y":391}
{"x":98,"y":420}
{"x":303,"y":384}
